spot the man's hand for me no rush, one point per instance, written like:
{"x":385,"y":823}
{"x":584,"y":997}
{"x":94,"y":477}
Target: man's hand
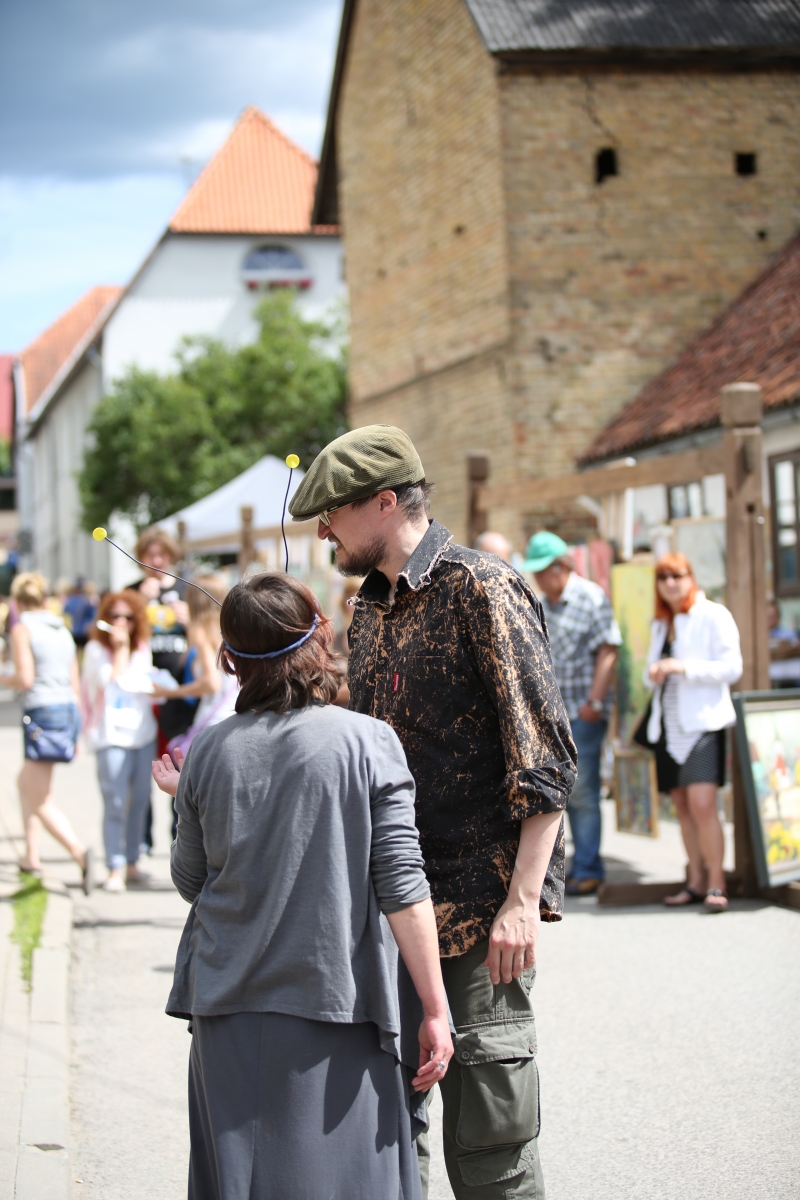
{"x":587,"y":713}
{"x":165,"y":774}
{"x":181,"y":610}
{"x":512,"y":942}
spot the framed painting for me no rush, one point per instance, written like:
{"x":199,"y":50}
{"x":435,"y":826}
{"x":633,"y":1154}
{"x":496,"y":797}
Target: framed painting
{"x":768,"y":743}
{"x":636,"y":792}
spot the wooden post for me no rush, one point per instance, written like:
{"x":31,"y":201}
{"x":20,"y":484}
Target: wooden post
{"x":247,"y":546}
{"x":746,"y":576}
{"x":477,"y":473}
{"x":182,"y":541}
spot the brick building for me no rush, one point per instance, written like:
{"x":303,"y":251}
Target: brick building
{"x":542,"y":204}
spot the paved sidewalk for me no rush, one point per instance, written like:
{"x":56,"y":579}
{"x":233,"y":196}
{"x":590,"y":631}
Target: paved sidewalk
{"x":668,"y":1040}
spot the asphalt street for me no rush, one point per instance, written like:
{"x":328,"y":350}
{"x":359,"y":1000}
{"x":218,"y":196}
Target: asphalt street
{"x":669,"y":1041}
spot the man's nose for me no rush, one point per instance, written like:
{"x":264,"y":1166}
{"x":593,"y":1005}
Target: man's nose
{"x":323,"y":531}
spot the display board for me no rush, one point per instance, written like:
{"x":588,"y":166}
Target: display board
{"x":768,"y":742}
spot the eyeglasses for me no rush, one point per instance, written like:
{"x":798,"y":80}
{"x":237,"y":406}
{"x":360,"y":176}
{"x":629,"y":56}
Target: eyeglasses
{"x":325,"y":515}
{"x":663,"y":576}
{"x":121,"y":617}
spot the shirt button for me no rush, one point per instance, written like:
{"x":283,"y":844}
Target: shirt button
{"x":465,"y":1055}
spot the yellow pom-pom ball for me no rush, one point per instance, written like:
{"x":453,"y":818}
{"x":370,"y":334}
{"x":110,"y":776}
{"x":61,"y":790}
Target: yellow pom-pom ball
{"x":99,"y":534}
{"x":292,"y":461}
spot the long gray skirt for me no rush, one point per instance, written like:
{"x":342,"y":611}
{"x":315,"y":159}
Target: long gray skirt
{"x":282,"y":1108}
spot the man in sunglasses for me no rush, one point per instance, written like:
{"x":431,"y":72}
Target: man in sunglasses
{"x":584,"y":637}
{"x":448,"y":646}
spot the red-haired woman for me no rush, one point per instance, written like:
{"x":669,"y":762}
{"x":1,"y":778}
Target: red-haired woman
{"x":694,"y":657}
{"x":120,"y":726}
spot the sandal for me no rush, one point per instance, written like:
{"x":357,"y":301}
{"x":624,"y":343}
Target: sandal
{"x":715,"y":901}
{"x":684,"y":897}
{"x":87,"y":871}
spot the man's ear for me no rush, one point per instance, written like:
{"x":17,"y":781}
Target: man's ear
{"x":387,"y":501}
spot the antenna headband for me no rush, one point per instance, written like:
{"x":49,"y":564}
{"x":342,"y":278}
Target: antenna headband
{"x":275,"y":653}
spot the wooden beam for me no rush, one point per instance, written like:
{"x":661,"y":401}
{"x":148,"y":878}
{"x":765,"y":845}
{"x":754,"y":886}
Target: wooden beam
{"x":223,"y":541}
{"x":668,"y":469}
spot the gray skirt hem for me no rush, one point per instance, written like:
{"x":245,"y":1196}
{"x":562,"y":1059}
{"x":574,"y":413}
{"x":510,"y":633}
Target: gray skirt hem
{"x":284,"y":1108}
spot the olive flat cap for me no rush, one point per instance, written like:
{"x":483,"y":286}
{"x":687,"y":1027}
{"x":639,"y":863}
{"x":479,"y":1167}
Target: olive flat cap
{"x":354,"y":466}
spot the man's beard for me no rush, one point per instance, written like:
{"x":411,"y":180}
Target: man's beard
{"x":361,"y":562}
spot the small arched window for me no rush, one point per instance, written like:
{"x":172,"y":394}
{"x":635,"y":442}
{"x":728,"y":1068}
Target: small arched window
{"x":275,"y":266}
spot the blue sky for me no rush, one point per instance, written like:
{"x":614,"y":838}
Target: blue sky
{"x":111,"y":107}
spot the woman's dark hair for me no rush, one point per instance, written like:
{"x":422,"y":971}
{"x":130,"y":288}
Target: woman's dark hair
{"x":267,"y":612}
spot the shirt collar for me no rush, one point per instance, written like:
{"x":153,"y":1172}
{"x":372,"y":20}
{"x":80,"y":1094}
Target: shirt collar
{"x":569,"y":588}
{"x":416,"y":572}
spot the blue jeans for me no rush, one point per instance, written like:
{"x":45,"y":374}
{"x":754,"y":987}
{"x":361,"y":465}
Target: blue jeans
{"x":124,"y":777}
{"x":583,"y":809}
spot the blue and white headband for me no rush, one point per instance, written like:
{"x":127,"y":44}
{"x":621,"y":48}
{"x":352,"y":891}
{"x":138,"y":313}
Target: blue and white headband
{"x":275,"y":653}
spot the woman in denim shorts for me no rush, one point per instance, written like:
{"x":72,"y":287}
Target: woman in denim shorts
{"x":46,"y":674}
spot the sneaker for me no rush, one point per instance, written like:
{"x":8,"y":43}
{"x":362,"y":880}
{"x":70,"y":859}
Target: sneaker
{"x":582,"y":887}
{"x":114,"y":883}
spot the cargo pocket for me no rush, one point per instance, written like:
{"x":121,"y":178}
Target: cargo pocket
{"x":499,"y":1087}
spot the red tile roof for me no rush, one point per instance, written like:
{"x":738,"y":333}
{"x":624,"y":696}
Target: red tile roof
{"x":259,"y":182}
{"x":57,"y":348}
{"x":6,"y":396}
{"x":755,"y":340}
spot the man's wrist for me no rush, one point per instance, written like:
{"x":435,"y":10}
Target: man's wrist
{"x":595,"y":704}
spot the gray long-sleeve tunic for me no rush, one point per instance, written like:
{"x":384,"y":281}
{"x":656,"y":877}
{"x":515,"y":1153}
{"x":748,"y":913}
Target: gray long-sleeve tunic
{"x":294,"y":832}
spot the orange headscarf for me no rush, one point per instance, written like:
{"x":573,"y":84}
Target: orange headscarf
{"x":674,"y":562}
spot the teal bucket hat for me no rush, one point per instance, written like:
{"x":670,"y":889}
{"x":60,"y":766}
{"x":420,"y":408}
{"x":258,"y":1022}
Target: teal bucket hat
{"x":543,"y":549}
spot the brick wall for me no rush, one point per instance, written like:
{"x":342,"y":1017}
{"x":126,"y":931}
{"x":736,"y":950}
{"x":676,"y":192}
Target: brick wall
{"x":500,"y":299}
{"x":609,"y":282}
{"x":421,"y":193}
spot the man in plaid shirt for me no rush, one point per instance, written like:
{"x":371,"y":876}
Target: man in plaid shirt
{"x":583,"y":643}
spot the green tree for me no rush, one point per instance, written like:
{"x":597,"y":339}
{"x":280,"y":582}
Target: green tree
{"x":160,"y":442}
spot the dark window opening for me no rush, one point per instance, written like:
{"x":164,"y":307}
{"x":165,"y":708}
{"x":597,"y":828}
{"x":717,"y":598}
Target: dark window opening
{"x":746,"y":164}
{"x":785,"y":499}
{"x":762,"y":235}
{"x":605,"y":164}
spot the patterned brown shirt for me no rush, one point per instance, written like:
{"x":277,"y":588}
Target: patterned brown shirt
{"x":459,"y":665}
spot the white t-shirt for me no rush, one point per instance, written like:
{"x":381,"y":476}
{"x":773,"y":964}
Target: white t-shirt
{"x":115,"y":712}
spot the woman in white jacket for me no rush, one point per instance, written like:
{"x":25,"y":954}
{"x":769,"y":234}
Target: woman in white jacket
{"x":121,"y":729}
{"x":694,"y":657}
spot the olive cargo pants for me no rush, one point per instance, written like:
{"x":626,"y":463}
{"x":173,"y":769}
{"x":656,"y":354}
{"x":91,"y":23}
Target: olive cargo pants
{"x":490,"y":1094}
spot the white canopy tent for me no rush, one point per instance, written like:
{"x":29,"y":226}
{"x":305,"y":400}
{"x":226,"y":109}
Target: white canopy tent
{"x":216,"y":520}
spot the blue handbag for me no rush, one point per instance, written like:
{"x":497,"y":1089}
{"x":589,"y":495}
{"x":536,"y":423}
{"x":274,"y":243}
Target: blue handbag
{"x":51,"y":732}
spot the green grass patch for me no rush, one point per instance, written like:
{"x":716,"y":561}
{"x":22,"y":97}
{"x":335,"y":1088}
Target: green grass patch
{"x":29,"y":905}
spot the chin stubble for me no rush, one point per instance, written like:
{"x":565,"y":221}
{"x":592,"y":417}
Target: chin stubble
{"x":361,"y":562}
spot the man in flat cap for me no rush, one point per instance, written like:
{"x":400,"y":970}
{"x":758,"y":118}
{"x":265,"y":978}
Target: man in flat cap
{"x":449,"y":646}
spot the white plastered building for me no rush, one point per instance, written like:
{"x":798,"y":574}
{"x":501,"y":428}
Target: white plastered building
{"x":242,"y":230}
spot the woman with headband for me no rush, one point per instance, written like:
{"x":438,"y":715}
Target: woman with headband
{"x":297,"y":849}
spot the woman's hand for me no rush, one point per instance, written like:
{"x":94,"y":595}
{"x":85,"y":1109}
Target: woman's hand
{"x":660,"y":670}
{"x":165,"y":774}
{"x":162,"y":693}
{"x":435,"y":1052}
{"x":119,"y":636}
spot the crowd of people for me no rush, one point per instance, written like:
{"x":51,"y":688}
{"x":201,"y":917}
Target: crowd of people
{"x":136,"y":673}
{"x":368,"y":862}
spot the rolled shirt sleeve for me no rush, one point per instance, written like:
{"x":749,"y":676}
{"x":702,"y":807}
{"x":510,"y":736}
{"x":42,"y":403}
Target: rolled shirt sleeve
{"x":396,"y":862}
{"x":512,"y":653}
{"x":605,"y":631}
